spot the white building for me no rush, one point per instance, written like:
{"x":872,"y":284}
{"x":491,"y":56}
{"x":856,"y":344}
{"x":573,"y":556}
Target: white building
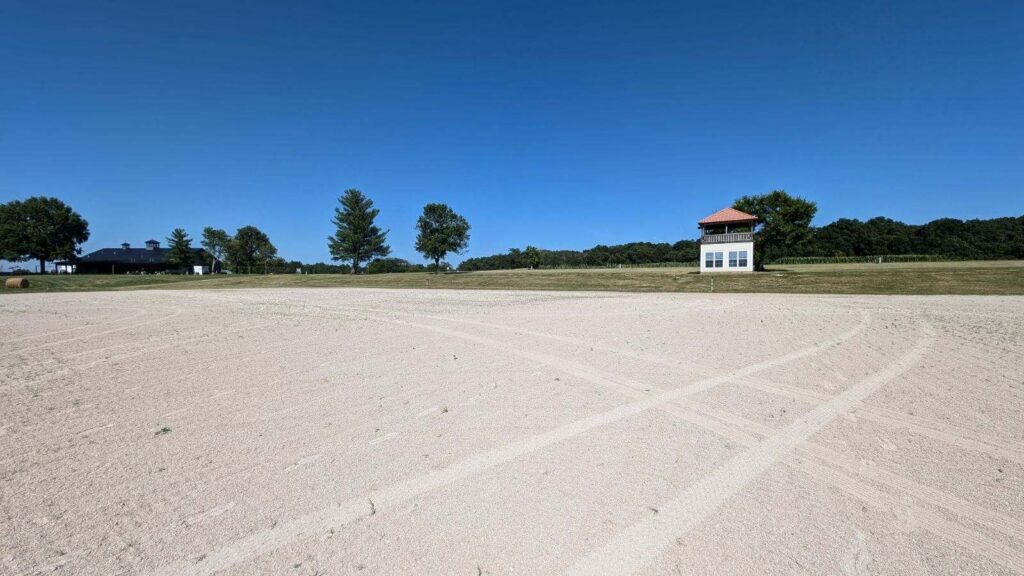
{"x":727,"y":241}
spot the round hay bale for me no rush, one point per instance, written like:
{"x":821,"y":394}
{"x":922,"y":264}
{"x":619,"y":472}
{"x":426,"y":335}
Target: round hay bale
{"x":16,"y":283}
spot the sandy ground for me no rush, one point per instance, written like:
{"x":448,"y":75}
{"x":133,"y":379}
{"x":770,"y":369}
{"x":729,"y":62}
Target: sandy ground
{"x":413,"y":432}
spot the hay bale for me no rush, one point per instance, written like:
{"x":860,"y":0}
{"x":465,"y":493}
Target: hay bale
{"x":16,"y":283}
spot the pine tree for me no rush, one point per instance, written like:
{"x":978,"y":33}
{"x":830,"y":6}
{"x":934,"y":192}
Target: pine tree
{"x":180,"y":252}
{"x":357,"y":239}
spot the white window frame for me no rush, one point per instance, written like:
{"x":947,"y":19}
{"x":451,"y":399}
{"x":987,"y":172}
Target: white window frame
{"x":743,"y":259}
{"x":733,"y":258}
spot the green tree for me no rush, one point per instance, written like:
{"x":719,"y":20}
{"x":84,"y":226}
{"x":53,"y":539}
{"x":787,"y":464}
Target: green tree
{"x":390,"y":266}
{"x":531,"y":257}
{"x":12,"y":232}
{"x":441,"y":231}
{"x":40,"y":228}
{"x":180,"y":251}
{"x":785,"y":225}
{"x":357,"y":238}
{"x":249,"y":249}
{"x":844,"y":237}
{"x":216,"y":242}
{"x":515,"y":258}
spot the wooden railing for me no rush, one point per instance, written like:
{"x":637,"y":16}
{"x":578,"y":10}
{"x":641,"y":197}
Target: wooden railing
{"x":731,"y":237}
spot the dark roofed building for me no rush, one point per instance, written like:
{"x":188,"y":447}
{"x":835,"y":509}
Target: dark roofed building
{"x":149,"y":260}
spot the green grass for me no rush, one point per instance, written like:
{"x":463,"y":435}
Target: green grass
{"x":991,"y":277}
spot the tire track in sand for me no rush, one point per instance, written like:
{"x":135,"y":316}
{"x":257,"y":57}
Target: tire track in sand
{"x":642,"y":542}
{"x":177,"y":312}
{"x":1012,"y":558}
{"x":930,"y":427}
{"x":824,"y":462}
{"x":748,"y":433}
{"x":149,"y":347}
{"x":530,"y":332}
{"x":340,"y":514}
{"x":139,"y":312}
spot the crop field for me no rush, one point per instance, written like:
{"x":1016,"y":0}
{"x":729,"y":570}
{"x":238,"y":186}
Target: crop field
{"x":368,"y":431}
{"x":981,"y":277}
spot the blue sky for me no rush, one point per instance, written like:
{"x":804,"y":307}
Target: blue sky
{"x":557,"y":124}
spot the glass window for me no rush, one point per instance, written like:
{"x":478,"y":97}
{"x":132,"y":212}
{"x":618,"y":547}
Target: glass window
{"x":732,"y":259}
{"x":709,"y":260}
{"x":718,"y":259}
{"x":743,"y":259}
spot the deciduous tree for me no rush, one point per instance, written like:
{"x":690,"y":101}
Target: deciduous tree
{"x":531,"y":257}
{"x":40,"y":228}
{"x":784,"y":224}
{"x":441,"y":231}
{"x":216,"y":243}
{"x":391,"y":266}
{"x":251,"y":248}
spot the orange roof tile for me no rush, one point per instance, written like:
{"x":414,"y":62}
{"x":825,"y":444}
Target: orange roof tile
{"x":728,"y":215}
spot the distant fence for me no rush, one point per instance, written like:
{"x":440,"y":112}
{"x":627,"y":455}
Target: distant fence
{"x":868,"y":259}
{"x":691,"y":264}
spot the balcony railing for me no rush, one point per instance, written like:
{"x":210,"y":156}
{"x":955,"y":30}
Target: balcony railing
{"x":731,"y":237}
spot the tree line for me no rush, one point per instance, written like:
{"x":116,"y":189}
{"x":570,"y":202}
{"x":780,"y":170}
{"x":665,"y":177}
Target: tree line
{"x":784,"y":231}
{"x":994,"y":239}
{"x":683,"y":251}
{"x":46,"y":229}
{"x":357,"y":239}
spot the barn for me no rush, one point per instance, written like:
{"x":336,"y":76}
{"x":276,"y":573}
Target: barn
{"x":127,"y":260}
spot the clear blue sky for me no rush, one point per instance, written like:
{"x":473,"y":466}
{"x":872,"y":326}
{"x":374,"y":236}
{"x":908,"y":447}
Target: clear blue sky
{"x":558,"y":124}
